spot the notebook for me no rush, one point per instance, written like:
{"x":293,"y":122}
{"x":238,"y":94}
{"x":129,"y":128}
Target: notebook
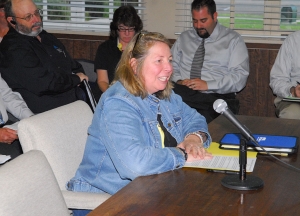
{"x":271,"y":143}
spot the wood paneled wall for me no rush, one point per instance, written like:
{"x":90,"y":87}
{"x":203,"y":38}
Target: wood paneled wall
{"x":256,"y":99}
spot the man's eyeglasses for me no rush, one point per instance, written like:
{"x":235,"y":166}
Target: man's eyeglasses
{"x":37,"y":13}
{"x":123,"y":29}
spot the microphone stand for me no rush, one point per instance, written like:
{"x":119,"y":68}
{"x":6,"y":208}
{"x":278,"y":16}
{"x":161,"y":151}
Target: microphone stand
{"x":241,"y":181}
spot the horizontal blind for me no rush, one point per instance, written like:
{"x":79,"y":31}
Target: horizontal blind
{"x":83,"y":15}
{"x":253,"y":19}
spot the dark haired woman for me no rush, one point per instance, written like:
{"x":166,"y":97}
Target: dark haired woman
{"x":125,"y":24}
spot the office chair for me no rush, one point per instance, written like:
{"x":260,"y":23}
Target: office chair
{"x":61,"y":134}
{"x":88,"y":67}
{"x":29,"y":188}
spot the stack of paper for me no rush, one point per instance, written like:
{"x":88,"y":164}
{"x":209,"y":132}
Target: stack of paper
{"x":224,"y":160}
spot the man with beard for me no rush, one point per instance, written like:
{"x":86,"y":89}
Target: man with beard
{"x":35,"y":63}
{"x":225,"y":67}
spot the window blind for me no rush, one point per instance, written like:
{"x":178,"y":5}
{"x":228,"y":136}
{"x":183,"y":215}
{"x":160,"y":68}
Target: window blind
{"x":83,"y":15}
{"x":253,"y":19}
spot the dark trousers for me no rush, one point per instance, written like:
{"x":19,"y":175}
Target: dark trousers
{"x":203,"y":102}
{"x":14,"y":149}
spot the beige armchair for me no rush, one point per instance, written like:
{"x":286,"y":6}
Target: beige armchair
{"x":61,"y":134}
{"x":29,"y":188}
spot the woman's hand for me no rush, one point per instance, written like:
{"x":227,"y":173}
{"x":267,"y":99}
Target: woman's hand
{"x":194,"y":148}
{"x":203,"y":156}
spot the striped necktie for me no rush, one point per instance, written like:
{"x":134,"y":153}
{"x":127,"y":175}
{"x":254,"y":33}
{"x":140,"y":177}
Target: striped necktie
{"x":198,"y":61}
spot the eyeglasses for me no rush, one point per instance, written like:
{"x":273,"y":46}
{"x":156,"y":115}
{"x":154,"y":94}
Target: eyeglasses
{"x":123,"y":29}
{"x":141,"y":34}
{"x":37,"y":13}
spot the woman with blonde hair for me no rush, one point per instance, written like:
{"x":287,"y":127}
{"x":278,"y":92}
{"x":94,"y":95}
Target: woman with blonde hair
{"x":140,"y":127}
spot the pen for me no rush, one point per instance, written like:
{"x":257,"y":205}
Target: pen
{"x":275,"y":153}
{"x":222,"y":171}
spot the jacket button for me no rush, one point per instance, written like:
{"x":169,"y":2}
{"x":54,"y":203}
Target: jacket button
{"x":169,"y":124}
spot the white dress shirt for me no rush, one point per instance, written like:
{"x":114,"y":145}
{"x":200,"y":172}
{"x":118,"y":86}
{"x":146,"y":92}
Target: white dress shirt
{"x":285,"y":72}
{"x":226,"y":61}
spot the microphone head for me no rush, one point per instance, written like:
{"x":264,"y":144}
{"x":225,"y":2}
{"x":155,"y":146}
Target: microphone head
{"x":220,"y":106}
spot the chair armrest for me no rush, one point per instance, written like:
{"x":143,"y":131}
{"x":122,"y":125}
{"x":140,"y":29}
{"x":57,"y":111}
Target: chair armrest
{"x":84,"y":200}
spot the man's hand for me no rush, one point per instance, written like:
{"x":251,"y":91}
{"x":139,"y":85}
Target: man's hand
{"x":197,"y":84}
{"x":182,"y":82}
{"x":7,"y":135}
{"x":82,"y":76}
{"x":295,"y":91}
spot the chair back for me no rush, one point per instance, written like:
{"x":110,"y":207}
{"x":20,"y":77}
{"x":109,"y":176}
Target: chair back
{"x":29,"y":188}
{"x":88,"y":67}
{"x":61,"y":135}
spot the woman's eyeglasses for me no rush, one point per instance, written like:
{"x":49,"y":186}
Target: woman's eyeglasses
{"x":123,"y":29}
{"x":141,"y":34}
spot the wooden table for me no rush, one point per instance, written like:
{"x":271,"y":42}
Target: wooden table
{"x":192,"y":191}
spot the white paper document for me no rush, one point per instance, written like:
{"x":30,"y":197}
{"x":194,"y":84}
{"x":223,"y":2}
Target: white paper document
{"x":4,"y":158}
{"x":222,"y":163}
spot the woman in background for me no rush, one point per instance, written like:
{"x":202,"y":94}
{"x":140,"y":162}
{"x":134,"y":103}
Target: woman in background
{"x":140,"y":126}
{"x":123,"y":27}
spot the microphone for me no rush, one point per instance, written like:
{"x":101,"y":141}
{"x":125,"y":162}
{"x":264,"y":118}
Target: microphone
{"x":240,"y":182}
{"x":220,"y":106}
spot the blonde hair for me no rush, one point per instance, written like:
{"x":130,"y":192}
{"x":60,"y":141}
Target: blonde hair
{"x":138,"y":48}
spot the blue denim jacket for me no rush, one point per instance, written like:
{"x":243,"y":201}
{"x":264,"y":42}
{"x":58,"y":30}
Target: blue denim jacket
{"x":124,"y":141}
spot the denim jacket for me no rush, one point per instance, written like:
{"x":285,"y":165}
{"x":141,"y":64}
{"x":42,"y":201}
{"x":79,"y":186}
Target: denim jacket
{"x":124,"y":141}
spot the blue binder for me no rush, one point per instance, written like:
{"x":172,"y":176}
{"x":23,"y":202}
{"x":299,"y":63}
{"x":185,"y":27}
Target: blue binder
{"x":271,"y":143}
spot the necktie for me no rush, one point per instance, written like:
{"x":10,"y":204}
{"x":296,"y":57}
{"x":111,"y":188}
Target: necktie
{"x":198,"y":61}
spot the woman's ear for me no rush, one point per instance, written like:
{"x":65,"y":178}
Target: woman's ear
{"x":133,"y":63}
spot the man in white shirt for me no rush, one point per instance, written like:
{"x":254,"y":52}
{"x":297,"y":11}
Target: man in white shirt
{"x":285,"y":77}
{"x":226,"y":63}
{"x":13,"y":103}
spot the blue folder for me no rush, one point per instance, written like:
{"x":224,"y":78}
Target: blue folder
{"x":271,"y":143}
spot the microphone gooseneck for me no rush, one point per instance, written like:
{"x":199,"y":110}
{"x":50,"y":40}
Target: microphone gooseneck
{"x":220,"y":106}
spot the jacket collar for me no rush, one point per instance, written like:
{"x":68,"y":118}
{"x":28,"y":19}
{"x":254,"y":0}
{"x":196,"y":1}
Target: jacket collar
{"x":13,"y":31}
